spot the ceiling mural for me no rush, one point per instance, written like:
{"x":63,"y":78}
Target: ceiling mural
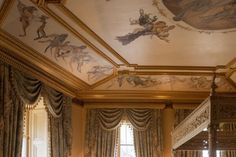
{"x":148,"y":26}
{"x":165,"y":83}
{"x":143,"y":45}
{"x":144,"y":32}
{"x":204,"y":14}
{"x":39,"y":31}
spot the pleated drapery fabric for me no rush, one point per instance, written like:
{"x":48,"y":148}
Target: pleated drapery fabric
{"x":188,"y":153}
{"x":21,"y":91}
{"x":145,"y":123}
{"x":102,"y":131}
{"x":28,"y":88}
{"x":11,"y":116}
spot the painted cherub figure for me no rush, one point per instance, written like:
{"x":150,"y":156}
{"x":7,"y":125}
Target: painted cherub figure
{"x":41,"y":30}
{"x":26,"y":15}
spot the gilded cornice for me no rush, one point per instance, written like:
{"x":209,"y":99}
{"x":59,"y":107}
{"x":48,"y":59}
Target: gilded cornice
{"x":142,"y":96}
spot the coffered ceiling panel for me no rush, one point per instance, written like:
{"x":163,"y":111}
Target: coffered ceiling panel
{"x":166,"y":83}
{"x":155,"y":32}
{"x":28,"y":24}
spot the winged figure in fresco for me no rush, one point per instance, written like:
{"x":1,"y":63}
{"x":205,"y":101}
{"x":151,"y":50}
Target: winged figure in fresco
{"x":98,"y":71}
{"x":56,"y":41}
{"x":26,"y":15}
{"x":76,"y":55}
{"x":136,"y":81}
{"x":149,"y":26}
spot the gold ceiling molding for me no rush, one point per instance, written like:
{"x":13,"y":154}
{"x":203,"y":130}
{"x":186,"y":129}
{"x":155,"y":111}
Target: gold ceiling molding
{"x":142,"y":96}
{"x":38,"y":61}
{"x":103,"y":80}
{"x":138,"y":105}
{"x":229,"y":75}
{"x":191,"y":68}
{"x":172,"y":72}
{"x":81,"y":24}
{"x":231,"y":63}
{"x":10,"y":58}
{"x":48,"y":11}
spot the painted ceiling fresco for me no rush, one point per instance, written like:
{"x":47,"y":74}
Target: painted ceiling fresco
{"x":95,"y":40}
{"x":148,"y":32}
{"x":204,"y":14}
{"x":166,"y":83}
{"x":39,"y":31}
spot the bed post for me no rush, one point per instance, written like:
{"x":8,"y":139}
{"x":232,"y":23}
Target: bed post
{"x":213,"y":126}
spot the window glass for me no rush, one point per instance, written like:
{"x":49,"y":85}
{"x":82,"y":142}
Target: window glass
{"x":126,"y":141}
{"x":205,"y":153}
{"x":35,"y":139}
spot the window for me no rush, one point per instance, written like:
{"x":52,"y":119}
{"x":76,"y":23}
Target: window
{"x":126,"y":148}
{"x":205,"y":153}
{"x":35,"y":139}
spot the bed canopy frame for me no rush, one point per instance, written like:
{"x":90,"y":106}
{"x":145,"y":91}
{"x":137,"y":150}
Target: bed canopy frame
{"x":201,"y":129}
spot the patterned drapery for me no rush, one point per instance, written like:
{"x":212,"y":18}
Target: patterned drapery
{"x":11,"y":116}
{"x":19,"y":91}
{"x":102,"y":131}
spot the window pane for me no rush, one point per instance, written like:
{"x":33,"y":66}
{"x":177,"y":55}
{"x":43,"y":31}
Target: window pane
{"x":205,"y":153}
{"x":127,"y":151}
{"x":130,"y":137}
{"x":126,"y":141}
{"x":123,"y":134}
{"x":126,"y":134}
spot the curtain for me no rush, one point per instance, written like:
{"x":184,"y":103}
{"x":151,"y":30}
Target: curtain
{"x":11,"y":116}
{"x":180,"y":115}
{"x":61,"y":132}
{"x":146,"y":131}
{"x":28,"y":88}
{"x":102,"y":131}
{"x":188,"y":153}
{"x":18,"y":91}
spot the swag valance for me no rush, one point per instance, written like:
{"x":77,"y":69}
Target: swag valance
{"x":102,"y":131}
{"x":110,"y":119}
{"x":28,"y":91}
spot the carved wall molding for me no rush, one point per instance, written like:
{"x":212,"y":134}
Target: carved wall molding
{"x":192,"y":125}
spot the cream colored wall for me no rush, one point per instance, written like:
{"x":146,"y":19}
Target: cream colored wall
{"x":78,"y":122}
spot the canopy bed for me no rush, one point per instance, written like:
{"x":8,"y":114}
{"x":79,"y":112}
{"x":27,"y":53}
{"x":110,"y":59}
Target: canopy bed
{"x":202,"y":129}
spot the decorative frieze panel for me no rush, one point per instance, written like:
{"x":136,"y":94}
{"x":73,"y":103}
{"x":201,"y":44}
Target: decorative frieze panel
{"x":192,"y":125}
